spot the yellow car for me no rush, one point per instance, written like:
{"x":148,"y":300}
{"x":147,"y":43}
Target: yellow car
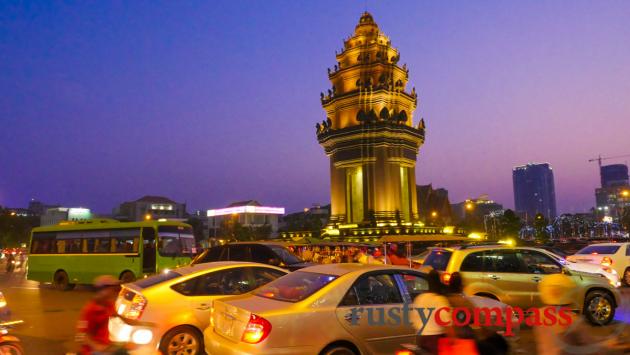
{"x":511,"y":275}
{"x":168,"y":312}
{"x":310,"y":311}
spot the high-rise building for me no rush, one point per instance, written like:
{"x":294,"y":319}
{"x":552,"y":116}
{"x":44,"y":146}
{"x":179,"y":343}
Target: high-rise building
{"x":534,"y":190}
{"x":614,"y":194}
{"x":368,"y":132}
{"x":614,"y":175}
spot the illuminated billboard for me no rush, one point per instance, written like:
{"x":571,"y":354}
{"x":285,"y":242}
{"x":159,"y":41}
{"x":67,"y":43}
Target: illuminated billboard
{"x":245,"y":209}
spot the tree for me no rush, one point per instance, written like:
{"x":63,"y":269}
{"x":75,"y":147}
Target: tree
{"x":197,"y":226}
{"x":15,"y":230}
{"x":540,"y":228}
{"x":511,"y":223}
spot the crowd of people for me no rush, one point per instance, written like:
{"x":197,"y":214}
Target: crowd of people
{"x":391,"y":254}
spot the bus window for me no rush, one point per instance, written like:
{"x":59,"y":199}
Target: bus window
{"x":188,"y":244}
{"x":73,"y":246}
{"x":170,"y":245}
{"x":69,"y":242}
{"x":90,"y":245}
{"x":125,"y":245}
{"x":175,"y":241}
{"x":125,"y":240}
{"x":43,"y":243}
{"x":102,"y":245}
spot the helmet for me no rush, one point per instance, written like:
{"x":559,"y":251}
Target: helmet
{"x":557,"y":289}
{"x":105,"y":281}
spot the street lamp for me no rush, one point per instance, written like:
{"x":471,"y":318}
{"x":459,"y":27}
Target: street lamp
{"x":147,"y":216}
{"x":434,"y":214}
{"x":469,"y":206}
{"x":625,"y":193}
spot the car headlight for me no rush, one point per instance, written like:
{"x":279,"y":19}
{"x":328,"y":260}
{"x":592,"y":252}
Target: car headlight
{"x":119,"y":330}
{"x":142,"y":336}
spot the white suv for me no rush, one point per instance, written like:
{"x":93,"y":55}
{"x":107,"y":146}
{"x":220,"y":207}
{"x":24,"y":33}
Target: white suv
{"x":612,"y":255}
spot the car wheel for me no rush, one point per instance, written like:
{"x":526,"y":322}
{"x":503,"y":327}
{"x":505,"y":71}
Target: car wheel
{"x":626,"y":277}
{"x":599,"y":307}
{"x":338,"y":350}
{"x":182,"y":340}
{"x":127,"y":277}
{"x":62,"y":282}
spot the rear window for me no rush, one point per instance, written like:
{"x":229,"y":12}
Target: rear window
{"x":295,"y":286}
{"x":599,"y":249}
{"x":438,"y":259}
{"x":156,"y":279}
{"x":286,"y":256}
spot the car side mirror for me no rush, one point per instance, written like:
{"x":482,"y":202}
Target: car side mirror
{"x":566,"y":271}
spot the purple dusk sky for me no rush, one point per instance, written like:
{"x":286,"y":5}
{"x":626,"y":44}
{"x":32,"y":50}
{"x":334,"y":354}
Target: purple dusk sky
{"x":211,"y":102}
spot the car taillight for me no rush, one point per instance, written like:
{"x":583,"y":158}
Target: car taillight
{"x":133,"y":310}
{"x":606,"y":261}
{"x":446,"y":278}
{"x":257,"y":329}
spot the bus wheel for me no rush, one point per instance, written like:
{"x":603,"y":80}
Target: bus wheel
{"x":62,"y":282}
{"x":127,"y":277}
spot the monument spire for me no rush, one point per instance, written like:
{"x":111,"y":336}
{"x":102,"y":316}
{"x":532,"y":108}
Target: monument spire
{"x":368,"y":132}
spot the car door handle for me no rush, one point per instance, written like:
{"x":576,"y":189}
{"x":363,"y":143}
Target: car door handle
{"x":494,"y":277}
{"x":536,"y":278}
{"x":203,"y":307}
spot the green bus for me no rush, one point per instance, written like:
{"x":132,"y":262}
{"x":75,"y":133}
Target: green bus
{"x":73,"y":253}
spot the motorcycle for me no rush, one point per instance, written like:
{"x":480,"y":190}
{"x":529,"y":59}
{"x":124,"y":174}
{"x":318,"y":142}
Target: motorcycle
{"x":9,"y":344}
{"x":11,"y":265}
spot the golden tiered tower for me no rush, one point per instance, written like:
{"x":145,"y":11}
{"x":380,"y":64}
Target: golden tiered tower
{"x":369,"y":133}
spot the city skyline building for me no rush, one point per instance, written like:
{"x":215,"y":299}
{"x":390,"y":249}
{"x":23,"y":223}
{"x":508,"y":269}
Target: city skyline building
{"x":614,"y":194}
{"x":614,"y":175}
{"x":56,"y":215}
{"x":475,"y":207}
{"x":249,"y":214}
{"x":368,"y":132}
{"x":534,"y":190}
{"x":150,"y":207}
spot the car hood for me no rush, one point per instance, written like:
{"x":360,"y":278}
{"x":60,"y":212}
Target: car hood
{"x":594,"y":277}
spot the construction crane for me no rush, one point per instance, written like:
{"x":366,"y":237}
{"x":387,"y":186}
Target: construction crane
{"x":600,"y":158}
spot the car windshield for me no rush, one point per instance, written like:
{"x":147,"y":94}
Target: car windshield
{"x":295,"y":286}
{"x":599,"y":249}
{"x":285,"y":255}
{"x":156,"y":279}
{"x":438,"y":259}
{"x":557,"y":257}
